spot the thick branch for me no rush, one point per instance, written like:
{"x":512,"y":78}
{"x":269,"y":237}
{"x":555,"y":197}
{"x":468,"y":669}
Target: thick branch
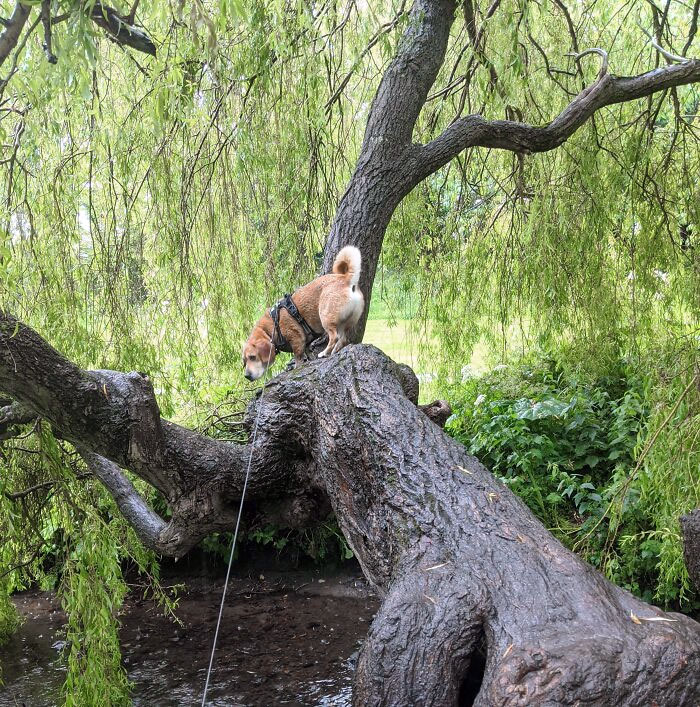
{"x":380,"y":179}
{"x":146,"y":522}
{"x":13,"y":29}
{"x":113,"y":419}
{"x":390,"y":166}
{"x":121,"y":29}
{"x":116,"y":416}
{"x":15,"y":414}
{"x":475,"y":131}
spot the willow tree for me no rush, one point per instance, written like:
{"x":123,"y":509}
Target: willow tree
{"x":140,"y":245}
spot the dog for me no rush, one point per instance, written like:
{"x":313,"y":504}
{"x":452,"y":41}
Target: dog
{"x":331,"y":303}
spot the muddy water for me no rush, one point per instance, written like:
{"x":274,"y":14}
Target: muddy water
{"x":285,"y":639}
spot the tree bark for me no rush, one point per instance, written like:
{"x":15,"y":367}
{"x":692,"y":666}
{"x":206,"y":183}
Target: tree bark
{"x":13,"y":28}
{"x":121,"y":29}
{"x":480,"y":602}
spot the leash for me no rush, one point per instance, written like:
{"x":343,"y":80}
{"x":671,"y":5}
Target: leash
{"x":235,"y":537}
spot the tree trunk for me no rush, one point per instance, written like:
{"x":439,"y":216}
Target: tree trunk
{"x":465,"y":567}
{"x":480,"y":602}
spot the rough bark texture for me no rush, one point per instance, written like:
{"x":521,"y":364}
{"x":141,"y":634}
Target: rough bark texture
{"x":121,"y":29}
{"x":115,"y":416}
{"x":479,"y":599}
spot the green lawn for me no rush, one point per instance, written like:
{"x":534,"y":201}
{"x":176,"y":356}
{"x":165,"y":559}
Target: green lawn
{"x":401,"y":344}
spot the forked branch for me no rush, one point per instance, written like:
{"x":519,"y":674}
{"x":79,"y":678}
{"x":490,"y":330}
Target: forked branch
{"x":476,"y":131}
{"x":119,"y":28}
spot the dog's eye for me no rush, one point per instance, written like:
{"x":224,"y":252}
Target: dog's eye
{"x":252,"y":358}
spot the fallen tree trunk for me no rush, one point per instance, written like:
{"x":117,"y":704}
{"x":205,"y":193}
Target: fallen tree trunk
{"x":464,"y":566}
{"x":480,"y":603}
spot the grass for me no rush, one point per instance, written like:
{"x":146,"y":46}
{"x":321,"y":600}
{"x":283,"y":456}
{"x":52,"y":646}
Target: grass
{"x":396,"y":339}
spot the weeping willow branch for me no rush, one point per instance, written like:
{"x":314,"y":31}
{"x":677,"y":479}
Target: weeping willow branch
{"x":19,"y":495}
{"x":12,"y":416}
{"x":118,"y":28}
{"x":16,"y":414}
{"x":46,"y":21}
{"x":121,"y":29}
{"x":475,"y":131}
{"x":13,"y":29}
{"x":384,"y":29}
{"x":114,"y":421}
{"x":148,"y":525}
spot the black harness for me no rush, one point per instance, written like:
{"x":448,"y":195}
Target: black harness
{"x":278,"y":340}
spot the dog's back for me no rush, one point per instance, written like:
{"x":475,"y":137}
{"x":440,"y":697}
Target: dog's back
{"x":334,"y":303}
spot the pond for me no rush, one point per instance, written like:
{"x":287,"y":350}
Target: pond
{"x":285,"y":639}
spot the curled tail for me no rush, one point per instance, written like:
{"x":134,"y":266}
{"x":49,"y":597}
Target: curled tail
{"x":348,"y":262}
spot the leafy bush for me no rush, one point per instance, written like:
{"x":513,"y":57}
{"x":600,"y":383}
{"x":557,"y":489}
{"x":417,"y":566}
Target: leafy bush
{"x":9,"y":618}
{"x":572,"y":448}
{"x":324,"y":543}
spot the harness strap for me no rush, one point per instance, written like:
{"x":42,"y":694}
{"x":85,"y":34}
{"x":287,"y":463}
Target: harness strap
{"x":278,"y":340}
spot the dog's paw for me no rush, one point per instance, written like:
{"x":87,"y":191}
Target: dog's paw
{"x":323,"y":354}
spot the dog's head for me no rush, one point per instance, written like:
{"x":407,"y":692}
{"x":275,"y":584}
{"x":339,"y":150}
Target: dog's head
{"x":258,"y":355}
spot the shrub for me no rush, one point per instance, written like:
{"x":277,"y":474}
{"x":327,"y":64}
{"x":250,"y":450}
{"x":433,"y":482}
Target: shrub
{"x":571,"y":447}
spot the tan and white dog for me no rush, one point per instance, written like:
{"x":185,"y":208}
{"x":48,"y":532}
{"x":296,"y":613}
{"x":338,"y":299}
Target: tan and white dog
{"x":331,"y":303}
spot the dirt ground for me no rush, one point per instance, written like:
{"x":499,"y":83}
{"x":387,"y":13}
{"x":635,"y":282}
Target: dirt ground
{"x":286,"y":638}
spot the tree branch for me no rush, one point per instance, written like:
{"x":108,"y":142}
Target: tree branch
{"x":113,"y":420}
{"x":384,"y":29}
{"x":19,"y":495}
{"x":16,"y":414}
{"x":379,"y":181}
{"x":13,"y":29}
{"x":116,"y":416}
{"x":475,"y":131}
{"x":121,"y":29}
{"x":149,"y":526}
{"x":46,"y":21}
{"x":594,"y":50}
{"x":693,"y":28}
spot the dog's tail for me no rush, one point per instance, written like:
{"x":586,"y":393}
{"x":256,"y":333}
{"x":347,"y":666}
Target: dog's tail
{"x":348,"y":262}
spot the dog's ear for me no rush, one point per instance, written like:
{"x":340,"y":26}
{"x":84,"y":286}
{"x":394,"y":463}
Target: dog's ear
{"x":266,"y":352}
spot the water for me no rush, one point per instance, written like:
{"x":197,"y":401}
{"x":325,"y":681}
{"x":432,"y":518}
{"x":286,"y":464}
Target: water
{"x":278,"y":645}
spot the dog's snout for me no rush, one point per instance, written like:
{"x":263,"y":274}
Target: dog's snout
{"x":249,"y":376}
